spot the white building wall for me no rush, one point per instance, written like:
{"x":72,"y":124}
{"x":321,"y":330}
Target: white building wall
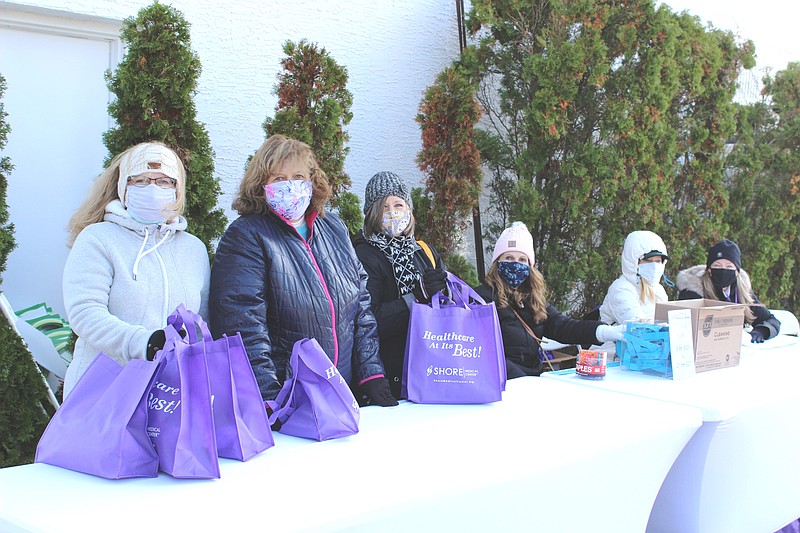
{"x":392,"y":49}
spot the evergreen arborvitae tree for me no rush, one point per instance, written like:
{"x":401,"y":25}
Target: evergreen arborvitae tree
{"x":22,"y":413}
{"x":154,"y":85}
{"x":313,"y":107}
{"x":764,"y":181}
{"x":449,"y":157}
{"x":603,"y":118}
{"x":7,"y":242}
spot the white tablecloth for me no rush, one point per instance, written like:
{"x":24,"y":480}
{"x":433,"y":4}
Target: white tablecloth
{"x":741,"y":470}
{"x":550,"y":457}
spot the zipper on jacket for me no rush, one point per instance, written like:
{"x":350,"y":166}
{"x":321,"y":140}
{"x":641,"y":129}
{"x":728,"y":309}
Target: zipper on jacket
{"x":322,"y":280}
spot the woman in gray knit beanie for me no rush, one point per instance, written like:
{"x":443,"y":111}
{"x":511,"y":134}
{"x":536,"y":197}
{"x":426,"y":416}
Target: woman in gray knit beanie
{"x":401,"y":269}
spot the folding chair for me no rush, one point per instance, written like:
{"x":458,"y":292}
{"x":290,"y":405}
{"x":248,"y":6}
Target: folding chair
{"x":41,"y":348}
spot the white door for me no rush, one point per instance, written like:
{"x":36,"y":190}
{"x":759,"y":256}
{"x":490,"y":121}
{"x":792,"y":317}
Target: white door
{"x":56,"y":100}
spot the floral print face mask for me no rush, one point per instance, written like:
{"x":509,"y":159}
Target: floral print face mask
{"x":289,"y":199}
{"x":395,"y":222}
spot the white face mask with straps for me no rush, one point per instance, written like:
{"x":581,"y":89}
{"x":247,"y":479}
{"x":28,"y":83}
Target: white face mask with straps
{"x":651,"y":272}
{"x":148,"y":204}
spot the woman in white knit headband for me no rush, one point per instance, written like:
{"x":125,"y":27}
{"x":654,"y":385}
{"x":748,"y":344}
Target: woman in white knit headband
{"x":132,"y":261}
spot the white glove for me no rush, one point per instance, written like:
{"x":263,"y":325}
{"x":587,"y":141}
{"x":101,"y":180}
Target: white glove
{"x":549,"y":345}
{"x":606,"y":333}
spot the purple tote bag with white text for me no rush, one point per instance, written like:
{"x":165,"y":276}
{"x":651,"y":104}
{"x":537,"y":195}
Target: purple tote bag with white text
{"x":180,"y":422}
{"x":315,"y":402}
{"x":454,"y":349}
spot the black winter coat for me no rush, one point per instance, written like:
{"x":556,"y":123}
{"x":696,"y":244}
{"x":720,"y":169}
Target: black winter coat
{"x":275,"y":288}
{"x":764,"y":318}
{"x":522,"y":350}
{"x":391,"y":310}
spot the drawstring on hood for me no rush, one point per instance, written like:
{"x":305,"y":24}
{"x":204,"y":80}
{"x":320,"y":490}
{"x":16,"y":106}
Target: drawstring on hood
{"x":142,"y":252}
{"x":116,"y":213}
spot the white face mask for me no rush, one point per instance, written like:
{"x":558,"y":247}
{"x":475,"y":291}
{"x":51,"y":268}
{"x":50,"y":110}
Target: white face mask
{"x":651,"y":272}
{"x":148,"y":204}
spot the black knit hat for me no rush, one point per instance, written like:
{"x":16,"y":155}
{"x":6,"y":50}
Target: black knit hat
{"x":385,"y":184}
{"x":725,"y":249}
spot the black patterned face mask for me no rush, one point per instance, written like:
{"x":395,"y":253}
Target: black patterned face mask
{"x":513,"y":273}
{"x":400,"y":252}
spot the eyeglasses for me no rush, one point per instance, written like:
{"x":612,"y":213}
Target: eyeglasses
{"x":143,"y":181}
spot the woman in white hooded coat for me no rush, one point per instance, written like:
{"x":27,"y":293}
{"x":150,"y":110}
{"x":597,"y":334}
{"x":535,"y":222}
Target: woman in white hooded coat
{"x":132,"y":261}
{"x":633,"y":295}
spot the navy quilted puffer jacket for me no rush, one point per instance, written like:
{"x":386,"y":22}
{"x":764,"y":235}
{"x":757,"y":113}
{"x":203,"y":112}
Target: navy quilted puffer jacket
{"x":275,"y":288}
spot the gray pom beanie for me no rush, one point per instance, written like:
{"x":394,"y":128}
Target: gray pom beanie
{"x":385,"y":184}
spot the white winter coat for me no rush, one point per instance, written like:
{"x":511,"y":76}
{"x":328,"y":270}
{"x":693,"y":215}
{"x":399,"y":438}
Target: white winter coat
{"x":622,"y":302}
{"x":121,"y":281}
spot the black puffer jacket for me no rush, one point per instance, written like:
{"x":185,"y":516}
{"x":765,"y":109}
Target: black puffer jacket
{"x":390,"y":309}
{"x":275,"y":288}
{"x":522,"y":350}
{"x":690,"y":287}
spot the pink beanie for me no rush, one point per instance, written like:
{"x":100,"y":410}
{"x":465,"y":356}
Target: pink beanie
{"x":517,"y":238}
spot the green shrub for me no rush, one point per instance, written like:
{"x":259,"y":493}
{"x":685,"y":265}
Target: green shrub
{"x":313,"y":107}
{"x":603,"y":118}
{"x":349,"y":209}
{"x":7,"y":242}
{"x":23,"y":415}
{"x":154,"y":85}
{"x":458,"y":265}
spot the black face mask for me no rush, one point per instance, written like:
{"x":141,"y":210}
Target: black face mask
{"x":722,"y":277}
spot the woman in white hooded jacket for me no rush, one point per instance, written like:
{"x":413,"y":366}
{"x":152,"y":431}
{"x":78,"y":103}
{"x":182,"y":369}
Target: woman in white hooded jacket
{"x":633,"y":295}
{"x":132,"y":262}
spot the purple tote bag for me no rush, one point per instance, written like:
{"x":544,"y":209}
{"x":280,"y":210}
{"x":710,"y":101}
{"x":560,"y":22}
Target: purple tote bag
{"x":180,"y":422}
{"x":315,"y":402}
{"x":454,"y":349}
{"x":240,"y":420}
{"x":100,"y":428}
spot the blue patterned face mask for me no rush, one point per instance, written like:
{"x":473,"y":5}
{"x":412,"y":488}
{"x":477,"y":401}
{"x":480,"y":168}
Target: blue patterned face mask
{"x":513,"y":273}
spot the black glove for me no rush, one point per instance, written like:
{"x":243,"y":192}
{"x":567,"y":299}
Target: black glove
{"x":759,"y":334}
{"x":432,"y":281}
{"x":379,"y":392}
{"x":155,"y":343}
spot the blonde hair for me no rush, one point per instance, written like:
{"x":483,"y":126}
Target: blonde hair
{"x":104,"y":191}
{"x":532,"y":293}
{"x":373,"y":220}
{"x":646,"y":291}
{"x":275,"y":151}
{"x":744,"y":290}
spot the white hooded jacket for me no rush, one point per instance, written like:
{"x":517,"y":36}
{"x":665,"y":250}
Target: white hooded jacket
{"x":122,"y":279}
{"x":622,"y":302}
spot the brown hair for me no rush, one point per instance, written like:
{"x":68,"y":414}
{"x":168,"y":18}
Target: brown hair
{"x":532,"y":293}
{"x":373,"y":220}
{"x":275,"y":151}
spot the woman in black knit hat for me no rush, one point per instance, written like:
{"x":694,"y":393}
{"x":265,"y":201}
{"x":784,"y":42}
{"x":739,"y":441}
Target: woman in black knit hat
{"x":722,"y":278}
{"x":401,"y":269}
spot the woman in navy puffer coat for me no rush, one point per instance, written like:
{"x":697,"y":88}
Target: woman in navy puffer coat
{"x":285,"y":270}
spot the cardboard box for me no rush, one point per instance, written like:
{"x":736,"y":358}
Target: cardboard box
{"x":716,"y":331}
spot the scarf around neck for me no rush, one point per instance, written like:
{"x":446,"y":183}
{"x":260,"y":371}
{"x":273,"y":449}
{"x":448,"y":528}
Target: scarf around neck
{"x":400,"y":252}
